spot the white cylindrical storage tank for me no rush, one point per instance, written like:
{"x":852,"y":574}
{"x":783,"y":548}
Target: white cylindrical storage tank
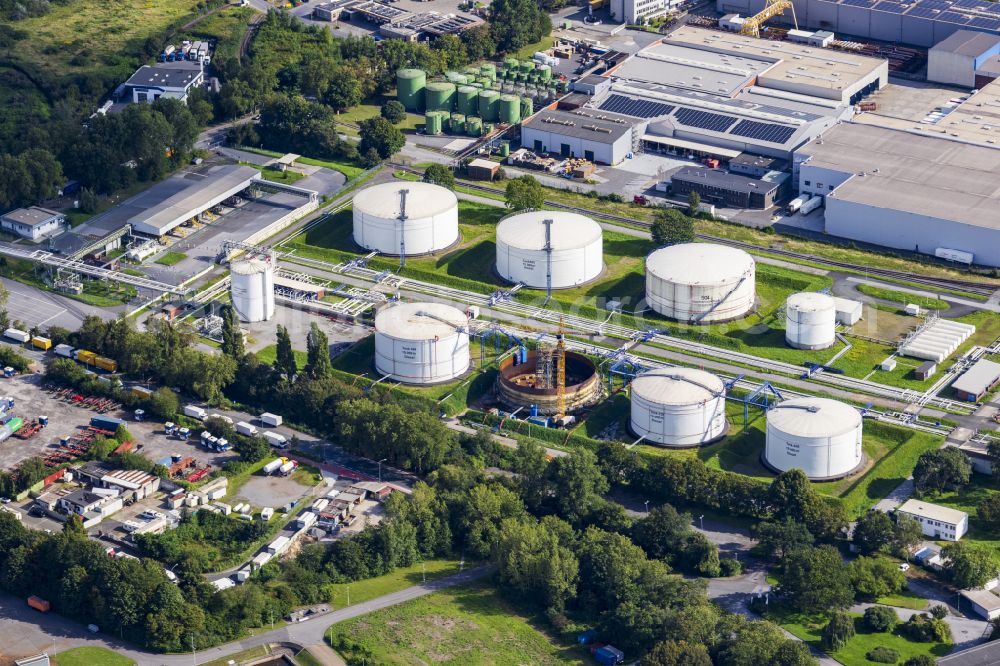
{"x":700,"y":283}
{"x":680,"y":407}
{"x":576,"y":255}
{"x":431,"y":223}
{"x":252,"y":289}
{"x":810,"y":320}
{"x":820,"y":436}
{"x":421,"y":343}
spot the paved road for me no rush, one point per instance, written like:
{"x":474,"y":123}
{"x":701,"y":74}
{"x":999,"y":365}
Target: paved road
{"x":25,"y":631}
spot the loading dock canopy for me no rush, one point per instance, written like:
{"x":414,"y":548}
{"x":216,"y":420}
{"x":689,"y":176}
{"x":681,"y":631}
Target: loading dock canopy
{"x":684,"y":144}
{"x":202,"y":192}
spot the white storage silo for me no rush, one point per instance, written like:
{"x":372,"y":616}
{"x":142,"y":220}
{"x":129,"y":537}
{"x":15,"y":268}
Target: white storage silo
{"x":810,"y":320}
{"x":700,"y":283}
{"x":529,"y":244}
{"x":430,"y":223}
{"x":820,"y":436}
{"x":679,"y":407}
{"x":421,"y":343}
{"x":252,"y":289}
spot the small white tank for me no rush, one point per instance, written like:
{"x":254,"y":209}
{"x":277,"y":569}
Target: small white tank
{"x":252,"y":289}
{"x":678,"y":407}
{"x":422,"y":343}
{"x":810,"y":320}
{"x":820,"y":436}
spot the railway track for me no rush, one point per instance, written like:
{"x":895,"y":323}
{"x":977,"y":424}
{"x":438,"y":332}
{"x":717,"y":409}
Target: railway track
{"x":968,"y":286}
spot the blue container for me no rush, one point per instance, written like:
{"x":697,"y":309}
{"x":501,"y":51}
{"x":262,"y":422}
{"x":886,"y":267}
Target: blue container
{"x":43,"y":420}
{"x":64,"y":441}
{"x":534,"y":410}
{"x":609,"y":655}
{"x":106,"y":422}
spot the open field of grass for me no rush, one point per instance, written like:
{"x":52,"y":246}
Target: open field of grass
{"x":270,"y":353}
{"x":905,"y":599}
{"x":286,"y":177}
{"x":171,"y":258}
{"x":413,"y":122}
{"x":349,"y":170}
{"x":808,"y":628}
{"x":903,"y":298}
{"x":464,"y":625}
{"x":90,"y":656}
{"x":227,"y":27}
{"x":400,"y":579}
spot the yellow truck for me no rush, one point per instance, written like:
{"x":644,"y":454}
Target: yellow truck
{"x":41,"y":343}
{"x":108,"y":364}
{"x":141,"y":392}
{"x":85,"y":357}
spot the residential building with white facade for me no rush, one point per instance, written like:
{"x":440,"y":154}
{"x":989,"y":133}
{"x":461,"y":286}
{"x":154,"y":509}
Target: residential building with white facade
{"x":938,"y":522}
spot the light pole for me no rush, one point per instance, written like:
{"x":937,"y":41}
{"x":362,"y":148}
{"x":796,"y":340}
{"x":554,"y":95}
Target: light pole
{"x":647,"y":505}
{"x":701,"y":520}
{"x":194,"y":654}
{"x":380,"y":469}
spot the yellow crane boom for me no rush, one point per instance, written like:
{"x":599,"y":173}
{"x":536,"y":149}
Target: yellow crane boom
{"x":772,"y":8}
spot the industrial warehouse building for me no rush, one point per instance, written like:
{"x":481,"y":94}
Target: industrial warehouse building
{"x":977,"y":381}
{"x":709,"y":93}
{"x":173,"y":80}
{"x":193,"y":194}
{"x":917,"y":22}
{"x":955,"y":60}
{"x":906,"y":190}
{"x":729,"y":189}
{"x":606,"y":139}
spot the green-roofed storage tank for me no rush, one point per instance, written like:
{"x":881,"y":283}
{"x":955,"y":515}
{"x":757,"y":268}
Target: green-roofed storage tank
{"x":545,"y":72}
{"x":410,"y":84}
{"x":467,"y":100}
{"x":456,"y":124}
{"x":510,"y":109}
{"x":440,"y":96}
{"x":435,"y":122}
{"x":474,"y":126}
{"x":489,"y":104}
{"x":457,"y":78}
{"x":505,"y":149}
{"x":489,"y":70}
{"x":527,"y":108}
{"x":527,"y":66}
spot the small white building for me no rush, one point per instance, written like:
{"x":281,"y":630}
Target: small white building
{"x":637,"y":12}
{"x":939,"y":522}
{"x":33,"y":223}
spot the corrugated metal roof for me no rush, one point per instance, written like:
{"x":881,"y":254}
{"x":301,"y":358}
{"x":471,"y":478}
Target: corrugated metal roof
{"x":979,"y":378}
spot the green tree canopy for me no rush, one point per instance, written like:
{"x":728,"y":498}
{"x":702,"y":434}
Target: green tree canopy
{"x":523,"y":193}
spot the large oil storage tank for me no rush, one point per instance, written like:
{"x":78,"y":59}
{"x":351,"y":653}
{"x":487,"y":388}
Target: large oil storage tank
{"x":422,"y":343}
{"x":440,"y":96}
{"x":489,"y":105}
{"x":820,"y":436}
{"x":700,"y":283}
{"x":680,"y":407}
{"x":810,"y":320}
{"x":532,"y":244}
{"x":527,"y":107}
{"x":466,"y":100}
{"x":431,"y":222}
{"x":410,"y":84}
{"x":434,"y":122}
{"x":252,"y":289}
{"x":524,"y":382}
{"x":510,"y":109}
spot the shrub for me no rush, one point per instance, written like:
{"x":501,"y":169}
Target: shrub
{"x":939,"y":611}
{"x":730,"y":567}
{"x":923,"y":628}
{"x":838,"y":631}
{"x":919,"y":660}
{"x":880,"y":618}
{"x":882,"y":655}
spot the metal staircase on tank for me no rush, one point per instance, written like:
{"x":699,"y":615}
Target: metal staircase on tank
{"x":719,"y":302}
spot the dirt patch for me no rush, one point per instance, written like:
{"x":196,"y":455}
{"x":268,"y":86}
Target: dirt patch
{"x":271,"y":491}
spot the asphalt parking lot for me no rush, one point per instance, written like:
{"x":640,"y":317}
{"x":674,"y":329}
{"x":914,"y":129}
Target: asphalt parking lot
{"x":35,"y":307}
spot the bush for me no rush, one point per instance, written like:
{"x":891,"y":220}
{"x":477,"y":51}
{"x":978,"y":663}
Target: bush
{"x":923,"y":628}
{"x":938,"y":612}
{"x":919,"y":660}
{"x":730,"y":567}
{"x":880,"y":619}
{"x":882,"y":655}
{"x":394,"y":111}
{"x":838,"y":631}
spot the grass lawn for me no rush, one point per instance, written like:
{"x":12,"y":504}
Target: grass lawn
{"x":400,"y":579}
{"x":171,"y":258}
{"x":464,"y":625}
{"x":905,"y":599}
{"x":90,"y":656}
{"x":270,"y":353}
{"x":808,"y":628}
{"x":95,"y":292}
{"x":286,"y":177}
{"x":307,"y":475}
{"x":412,"y":123}
{"x":305,"y":658}
{"x":227,"y":27}
{"x":903,"y":297}
{"x":529,"y":50}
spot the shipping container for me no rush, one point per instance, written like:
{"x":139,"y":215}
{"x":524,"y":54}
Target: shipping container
{"x":195,"y":412}
{"x":106,"y":422}
{"x":271,"y":420}
{"x":39,"y":604}
{"x":15,"y":424}
{"x":141,"y":392}
{"x":795,"y":204}
{"x":64,"y":350}
{"x":84,"y":356}
{"x":954,"y":255}
{"x":245,"y":428}
{"x":812,"y":204}
{"x":41,"y":343}
{"x":108,"y":364}
{"x":15,"y":334}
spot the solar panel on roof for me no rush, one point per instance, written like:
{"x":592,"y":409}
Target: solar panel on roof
{"x":703,"y":119}
{"x":985,"y":22}
{"x":638,"y":108}
{"x":890,"y":7}
{"x":993,"y":8}
{"x":922,"y":12}
{"x":763,"y":131}
{"x":970,"y":4}
{"x":858,"y":3}
{"x":953,"y":17}
{"x":935,"y":4}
